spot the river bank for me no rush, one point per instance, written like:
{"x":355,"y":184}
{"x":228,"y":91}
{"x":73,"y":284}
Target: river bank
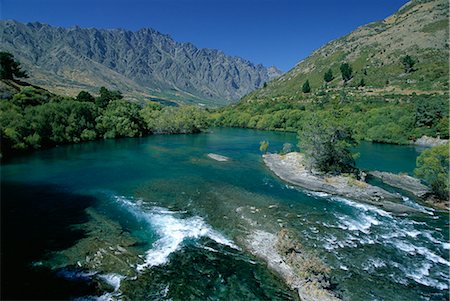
{"x":290,"y":168}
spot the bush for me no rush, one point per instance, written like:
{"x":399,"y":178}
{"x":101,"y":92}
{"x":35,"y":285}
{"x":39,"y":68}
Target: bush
{"x":433,"y":168}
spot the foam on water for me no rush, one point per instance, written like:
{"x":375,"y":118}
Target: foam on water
{"x":114,"y":281}
{"x":171,"y":230}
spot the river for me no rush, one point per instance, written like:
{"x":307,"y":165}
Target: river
{"x":155,"y":218}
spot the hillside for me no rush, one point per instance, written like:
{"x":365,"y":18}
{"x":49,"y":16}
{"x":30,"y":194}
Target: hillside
{"x":375,"y":51}
{"x":394,"y":106}
{"x":142,"y":64}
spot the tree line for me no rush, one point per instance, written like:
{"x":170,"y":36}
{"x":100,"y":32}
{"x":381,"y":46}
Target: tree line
{"x":34,"y":118}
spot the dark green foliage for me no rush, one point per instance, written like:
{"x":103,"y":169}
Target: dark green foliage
{"x":10,"y":68}
{"x":30,"y":96}
{"x":106,"y":96}
{"x":120,"y":119}
{"x":370,"y":118}
{"x":306,"y":88}
{"x":346,"y":71}
{"x":85,"y":96}
{"x":265,"y":85}
{"x":328,"y":76}
{"x":408,"y":63}
{"x":35,"y":118}
{"x":429,"y":113}
{"x":433,"y":168}
{"x":327,"y":146}
{"x":362,"y":83}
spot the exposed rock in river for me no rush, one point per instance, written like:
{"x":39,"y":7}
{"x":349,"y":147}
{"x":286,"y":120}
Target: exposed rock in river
{"x":290,"y":168}
{"x":402,"y":181}
{"x":218,"y":157}
{"x":302,"y":271}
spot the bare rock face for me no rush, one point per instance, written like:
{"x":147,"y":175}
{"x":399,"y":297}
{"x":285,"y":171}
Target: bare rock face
{"x":142,"y":64}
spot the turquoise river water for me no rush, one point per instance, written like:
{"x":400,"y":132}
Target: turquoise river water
{"x":181,"y":219}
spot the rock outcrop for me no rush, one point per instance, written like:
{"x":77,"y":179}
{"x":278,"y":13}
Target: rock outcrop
{"x":290,"y":168}
{"x":403,"y":182}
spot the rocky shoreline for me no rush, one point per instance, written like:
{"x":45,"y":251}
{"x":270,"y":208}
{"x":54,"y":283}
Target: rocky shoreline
{"x":411,"y":185}
{"x":427,"y":141}
{"x":290,"y":168}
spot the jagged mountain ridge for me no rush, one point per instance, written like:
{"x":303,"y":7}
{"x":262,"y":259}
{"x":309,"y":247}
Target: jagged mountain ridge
{"x":141,"y":64}
{"x":419,"y":29}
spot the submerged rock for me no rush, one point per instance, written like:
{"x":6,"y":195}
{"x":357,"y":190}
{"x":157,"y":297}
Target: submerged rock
{"x":290,"y":168}
{"x":105,"y":249}
{"x":218,"y":157}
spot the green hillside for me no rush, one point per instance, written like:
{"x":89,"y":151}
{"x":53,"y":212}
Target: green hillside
{"x":375,"y":52}
{"x":396,"y":91}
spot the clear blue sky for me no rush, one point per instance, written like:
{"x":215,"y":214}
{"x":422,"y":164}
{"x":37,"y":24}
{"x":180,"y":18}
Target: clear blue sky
{"x":271,"y":32}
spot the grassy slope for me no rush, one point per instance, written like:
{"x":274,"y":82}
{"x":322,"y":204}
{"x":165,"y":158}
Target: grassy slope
{"x":419,"y":29}
{"x":393,"y":107}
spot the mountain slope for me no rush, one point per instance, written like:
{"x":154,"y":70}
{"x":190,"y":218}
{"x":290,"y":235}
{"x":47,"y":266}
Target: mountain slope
{"x":418,"y":29}
{"x":141,"y":64}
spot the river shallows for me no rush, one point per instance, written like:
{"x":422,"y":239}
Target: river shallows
{"x":186,"y":215}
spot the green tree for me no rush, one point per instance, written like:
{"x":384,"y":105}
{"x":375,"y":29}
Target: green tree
{"x":408,"y":63}
{"x":106,"y":96}
{"x":346,"y":71}
{"x":328,"y":76}
{"x":433,"y":168}
{"x":362,"y":83}
{"x":263,"y":145}
{"x":306,"y":88}
{"x":120,"y":119}
{"x":85,"y":96}
{"x":10,"y":68}
{"x":326,"y":146}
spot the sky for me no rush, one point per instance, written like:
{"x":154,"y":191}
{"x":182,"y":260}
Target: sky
{"x":271,"y":32}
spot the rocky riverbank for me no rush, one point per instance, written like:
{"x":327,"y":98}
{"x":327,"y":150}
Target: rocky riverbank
{"x":411,"y":185}
{"x":429,"y":141}
{"x":402,"y":181}
{"x":290,"y":168}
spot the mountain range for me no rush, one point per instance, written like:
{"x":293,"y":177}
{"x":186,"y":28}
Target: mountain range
{"x":144,"y":64}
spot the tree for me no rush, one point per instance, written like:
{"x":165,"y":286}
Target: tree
{"x":106,"y":96}
{"x":346,"y":71}
{"x":287,"y":148}
{"x":408,"y":63}
{"x":265,"y":85}
{"x":362,"y":83}
{"x":326,"y":146}
{"x":433,"y":168}
{"x":9,"y":68}
{"x":328,"y":76}
{"x":85,"y":96}
{"x":263,"y":145}
{"x":306,"y":88}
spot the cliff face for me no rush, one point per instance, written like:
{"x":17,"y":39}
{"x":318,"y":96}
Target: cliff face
{"x":141,"y":64}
